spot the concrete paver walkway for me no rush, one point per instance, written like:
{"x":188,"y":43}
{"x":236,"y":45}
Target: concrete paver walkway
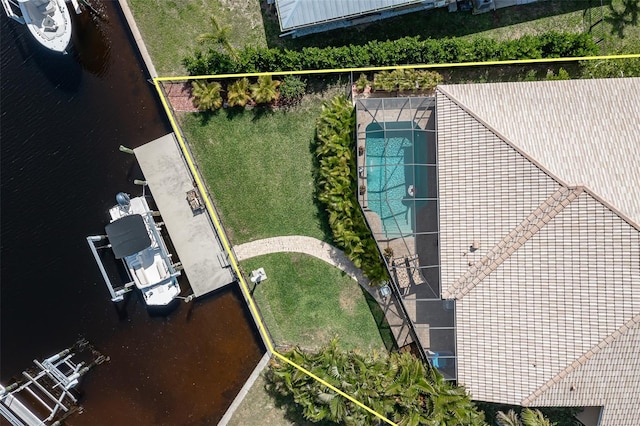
{"x":301,"y":244}
{"x":333,"y":256}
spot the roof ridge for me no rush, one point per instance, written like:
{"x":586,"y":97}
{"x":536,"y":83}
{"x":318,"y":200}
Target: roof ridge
{"x":503,"y":138}
{"x":289,"y":16}
{"x":623,"y":329}
{"x":624,"y":216}
{"x":511,"y":242}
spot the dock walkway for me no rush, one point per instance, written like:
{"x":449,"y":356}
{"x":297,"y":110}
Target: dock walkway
{"x":192,"y":233}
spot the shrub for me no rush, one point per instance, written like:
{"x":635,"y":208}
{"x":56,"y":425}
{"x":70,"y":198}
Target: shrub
{"x":611,"y":68}
{"x":406,"y":79}
{"x":336,"y":187}
{"x":407,"y":50}
{"x":206,"y":96}
{"x":362,"y":82}
{"x":428,"y":80}
{"x":562,"y":75}
{"x":292,"y":89}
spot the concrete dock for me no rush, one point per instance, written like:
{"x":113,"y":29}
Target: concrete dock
{"x":192,"y":233}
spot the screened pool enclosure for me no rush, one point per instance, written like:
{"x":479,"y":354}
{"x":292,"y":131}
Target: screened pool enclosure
{"x":398,"y":190}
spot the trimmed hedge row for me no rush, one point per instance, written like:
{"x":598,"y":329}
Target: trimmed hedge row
{"x":407,"y":50}
{"x":336,"y":188}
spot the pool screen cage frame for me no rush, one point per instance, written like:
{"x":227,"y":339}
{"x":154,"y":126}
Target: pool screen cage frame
{"x":398,"y":194}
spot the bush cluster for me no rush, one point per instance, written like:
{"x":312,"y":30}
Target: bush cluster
{"x":406,"y":80}
{"x":407,"y":50}
{"x":208,"y":95}
{"x":336,"y":187}
{"x":292,"y":90}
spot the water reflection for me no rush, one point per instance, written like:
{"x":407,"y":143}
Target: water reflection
{"x":91,"y":45}
{"x":62,"y":120}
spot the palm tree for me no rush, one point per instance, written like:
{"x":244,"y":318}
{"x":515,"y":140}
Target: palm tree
{"x":534,"y":418}
{"x":219,"y":36}
{"x":265,"y":90}
{"x":509,"y":419}
{"x":238,"y":93}
{"x":527,"y":417}
{"x":206,"y":96}
{"x":385,"y":80}
{"x":399,"y":387}
{"x":428,"y":80}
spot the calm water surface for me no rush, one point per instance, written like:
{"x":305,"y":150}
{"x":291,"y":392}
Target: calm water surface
{"x":62,"y":119}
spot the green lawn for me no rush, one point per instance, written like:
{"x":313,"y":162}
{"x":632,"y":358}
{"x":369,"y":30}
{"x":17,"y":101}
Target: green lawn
{"x":306,"y":302}
{"x":259,"y":408}
{"x":259,"y":167}
{"x":620,"y":29}
{"x":170,"y":27}
{"x":505,"y":23}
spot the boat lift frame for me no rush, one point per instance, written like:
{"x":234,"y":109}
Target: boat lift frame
{"x":117,"y":293}
{"x":58,"y":374}
{"x":9,"y":6}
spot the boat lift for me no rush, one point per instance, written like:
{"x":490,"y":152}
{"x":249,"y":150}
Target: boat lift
{"x":44,"y":397}
{"x":117,"y":293}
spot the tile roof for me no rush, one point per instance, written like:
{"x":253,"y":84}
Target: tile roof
{"x":575,"y":386}
{"x":551,"y":298}
{"x":585,"y":132}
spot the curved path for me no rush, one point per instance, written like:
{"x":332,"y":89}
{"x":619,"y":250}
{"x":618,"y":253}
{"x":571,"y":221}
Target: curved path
{"x":336,"y":257}
{"x":301,"y":244}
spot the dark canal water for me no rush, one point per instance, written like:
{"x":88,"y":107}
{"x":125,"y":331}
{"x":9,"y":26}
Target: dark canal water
{"x":62,"y":119}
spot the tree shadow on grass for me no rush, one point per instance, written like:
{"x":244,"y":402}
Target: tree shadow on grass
{"x":293,"y":411}
{"x":261,"y":112}
{"x":233,"y":112}
{"x":619,"y":20}
{"x":205,"y":116}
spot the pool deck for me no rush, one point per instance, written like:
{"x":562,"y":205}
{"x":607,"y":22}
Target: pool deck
{"x":193,"y":235}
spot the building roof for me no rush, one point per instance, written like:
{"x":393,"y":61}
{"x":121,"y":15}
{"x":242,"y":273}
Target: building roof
{"x":549,"y":305}
{"x":585,"y":132}
{"x":303,"y":13}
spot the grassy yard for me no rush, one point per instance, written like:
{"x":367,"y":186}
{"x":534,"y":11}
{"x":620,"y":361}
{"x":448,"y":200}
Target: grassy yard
{"x":170,"y":27}
{"x":260,"y":408}
{"x":306,"y":302}
{"x":621,"y":29}
{"x":259,"y":167}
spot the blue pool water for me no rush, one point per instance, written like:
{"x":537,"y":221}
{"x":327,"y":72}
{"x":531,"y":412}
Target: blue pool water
{"x":388,"y":179}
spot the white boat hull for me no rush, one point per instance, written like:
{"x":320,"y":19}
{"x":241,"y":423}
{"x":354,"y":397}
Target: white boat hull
{"x":150,"y":269}
{"x":49,"y":22}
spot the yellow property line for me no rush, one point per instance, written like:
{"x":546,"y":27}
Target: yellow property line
{"x":209,"y":204}
{"x":243,"y":283}
{"x":415,"y":66}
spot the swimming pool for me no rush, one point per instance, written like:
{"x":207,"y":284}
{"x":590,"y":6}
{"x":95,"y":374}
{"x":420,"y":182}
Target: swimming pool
{"x":389,"y":178}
